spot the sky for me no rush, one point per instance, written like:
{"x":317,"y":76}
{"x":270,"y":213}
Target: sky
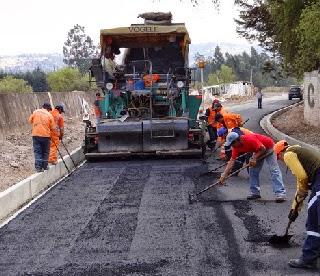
{"x":41,"y":26}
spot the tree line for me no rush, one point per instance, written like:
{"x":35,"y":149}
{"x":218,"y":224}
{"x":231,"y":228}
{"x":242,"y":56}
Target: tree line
{"x":65,"y":79}
{"x":290,"y":29}
{"x":287,"y":28}
{"x":78,"y":50}
{"x":259,"y":67}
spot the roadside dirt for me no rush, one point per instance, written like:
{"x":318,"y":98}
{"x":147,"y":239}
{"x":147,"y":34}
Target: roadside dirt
{"x":293,"y":124}
{"x":16,"y":152}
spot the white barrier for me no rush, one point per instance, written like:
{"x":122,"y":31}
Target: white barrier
{"x":24,"y":191}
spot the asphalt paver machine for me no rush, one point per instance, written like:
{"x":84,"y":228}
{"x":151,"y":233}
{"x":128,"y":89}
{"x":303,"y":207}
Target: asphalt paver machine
{"x":145,"y":102}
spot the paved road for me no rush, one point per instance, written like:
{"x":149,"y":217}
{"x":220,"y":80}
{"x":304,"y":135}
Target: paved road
{"x":133,"y":218}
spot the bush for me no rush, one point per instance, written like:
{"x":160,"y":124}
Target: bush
{"x":13,"y":85}
{"x":68,"y":79}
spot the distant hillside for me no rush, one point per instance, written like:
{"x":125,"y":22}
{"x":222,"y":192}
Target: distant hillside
{"x":28,"y":62}
{"x":54,"y":61}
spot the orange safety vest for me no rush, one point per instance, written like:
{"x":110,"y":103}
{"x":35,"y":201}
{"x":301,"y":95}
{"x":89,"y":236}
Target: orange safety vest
{"x":42,"y":123}
{"x":97,"y":110}
{"x":232,"y":120}
{"x":149,"y":79}
{"x":212,"y":115}
{"x":58,"y":121}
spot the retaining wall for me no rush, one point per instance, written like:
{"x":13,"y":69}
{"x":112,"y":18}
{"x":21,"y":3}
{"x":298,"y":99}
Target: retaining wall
{"x":267,"y":126}
{"x":312,"y":98}
{"x":23,"y":192}
{"x":15,"y":108}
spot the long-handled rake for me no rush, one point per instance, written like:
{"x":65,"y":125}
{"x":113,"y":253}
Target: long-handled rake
{"x":61,"y":156}
{"x":220,"y":166}
{"x":194,"y":197}
{"x":74,"y":164}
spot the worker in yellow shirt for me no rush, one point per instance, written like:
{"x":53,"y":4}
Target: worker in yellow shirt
{"x":42,"y":125}
{"x":305,"y":166}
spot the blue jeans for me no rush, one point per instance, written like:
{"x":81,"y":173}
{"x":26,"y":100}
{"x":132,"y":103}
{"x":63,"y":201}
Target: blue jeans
{"x":275,"y":172}
{"x":41,"y":149}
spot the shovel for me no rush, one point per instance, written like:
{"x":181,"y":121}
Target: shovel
{"x":284,"y":240}
{"x":281,"y":240}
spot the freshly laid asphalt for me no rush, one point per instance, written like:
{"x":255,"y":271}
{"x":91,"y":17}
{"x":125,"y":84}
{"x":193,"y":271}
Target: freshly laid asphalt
{"x":133,"y":218}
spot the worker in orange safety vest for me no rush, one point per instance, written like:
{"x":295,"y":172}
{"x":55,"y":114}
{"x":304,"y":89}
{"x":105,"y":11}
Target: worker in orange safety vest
{"x":97,"y":109}
{"x":229,"y":120}
{"x":212,"y":126}
{"x":56,"y":134}
{"x":42,"y":126}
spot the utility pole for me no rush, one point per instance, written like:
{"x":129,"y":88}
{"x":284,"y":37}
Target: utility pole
{"x":251,"y":84}
{"x":201,"y":65}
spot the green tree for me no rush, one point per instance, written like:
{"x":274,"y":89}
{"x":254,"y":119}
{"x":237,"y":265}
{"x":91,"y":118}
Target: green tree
{"x":37,"y":79}
{"x":308,"y":39}
{"x":78,"y":49}
{"x":218,"y":58}
{"x":68,"y":79}
{"x":9,"y":84}
{"x":224,"y":75}
{"x":276,"y":24}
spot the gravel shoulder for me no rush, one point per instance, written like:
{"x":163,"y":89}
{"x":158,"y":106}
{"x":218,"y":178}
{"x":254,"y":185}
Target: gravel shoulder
{"x":16,"y":152}
{"x":292,"y":123}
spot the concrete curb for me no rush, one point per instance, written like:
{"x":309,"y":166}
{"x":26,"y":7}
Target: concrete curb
{"x":24,"y":191}
{"x":268,"y":127}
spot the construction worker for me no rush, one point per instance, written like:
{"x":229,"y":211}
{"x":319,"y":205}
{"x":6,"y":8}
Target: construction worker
{"x":212,"y":124}
{"x":259,"y":96}
{"x":56,"y":134}
{"x":42,"y":126}
{"x":305,"y":166}
{"x":97,"y":110}
{"x":229,"y":120}
{"x":260,"y":146}
{"x":226,"y":151}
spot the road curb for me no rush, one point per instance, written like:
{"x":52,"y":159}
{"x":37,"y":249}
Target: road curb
{"x":268,"y":127}
{"x":24,"y":191}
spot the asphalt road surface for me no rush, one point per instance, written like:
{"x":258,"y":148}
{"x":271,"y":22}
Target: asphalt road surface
{"x":133,"y":218}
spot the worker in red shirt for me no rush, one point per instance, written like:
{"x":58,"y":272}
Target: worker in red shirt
{"x":259,"y":145}
{"x":56,"y":134}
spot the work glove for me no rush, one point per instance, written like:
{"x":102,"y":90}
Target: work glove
{"x":222,"y":179}
{"x":293,"y":214}
{"x":252,"y":162}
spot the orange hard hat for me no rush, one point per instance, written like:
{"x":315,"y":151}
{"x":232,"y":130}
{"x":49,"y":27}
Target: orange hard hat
{"x":280,"y":146}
